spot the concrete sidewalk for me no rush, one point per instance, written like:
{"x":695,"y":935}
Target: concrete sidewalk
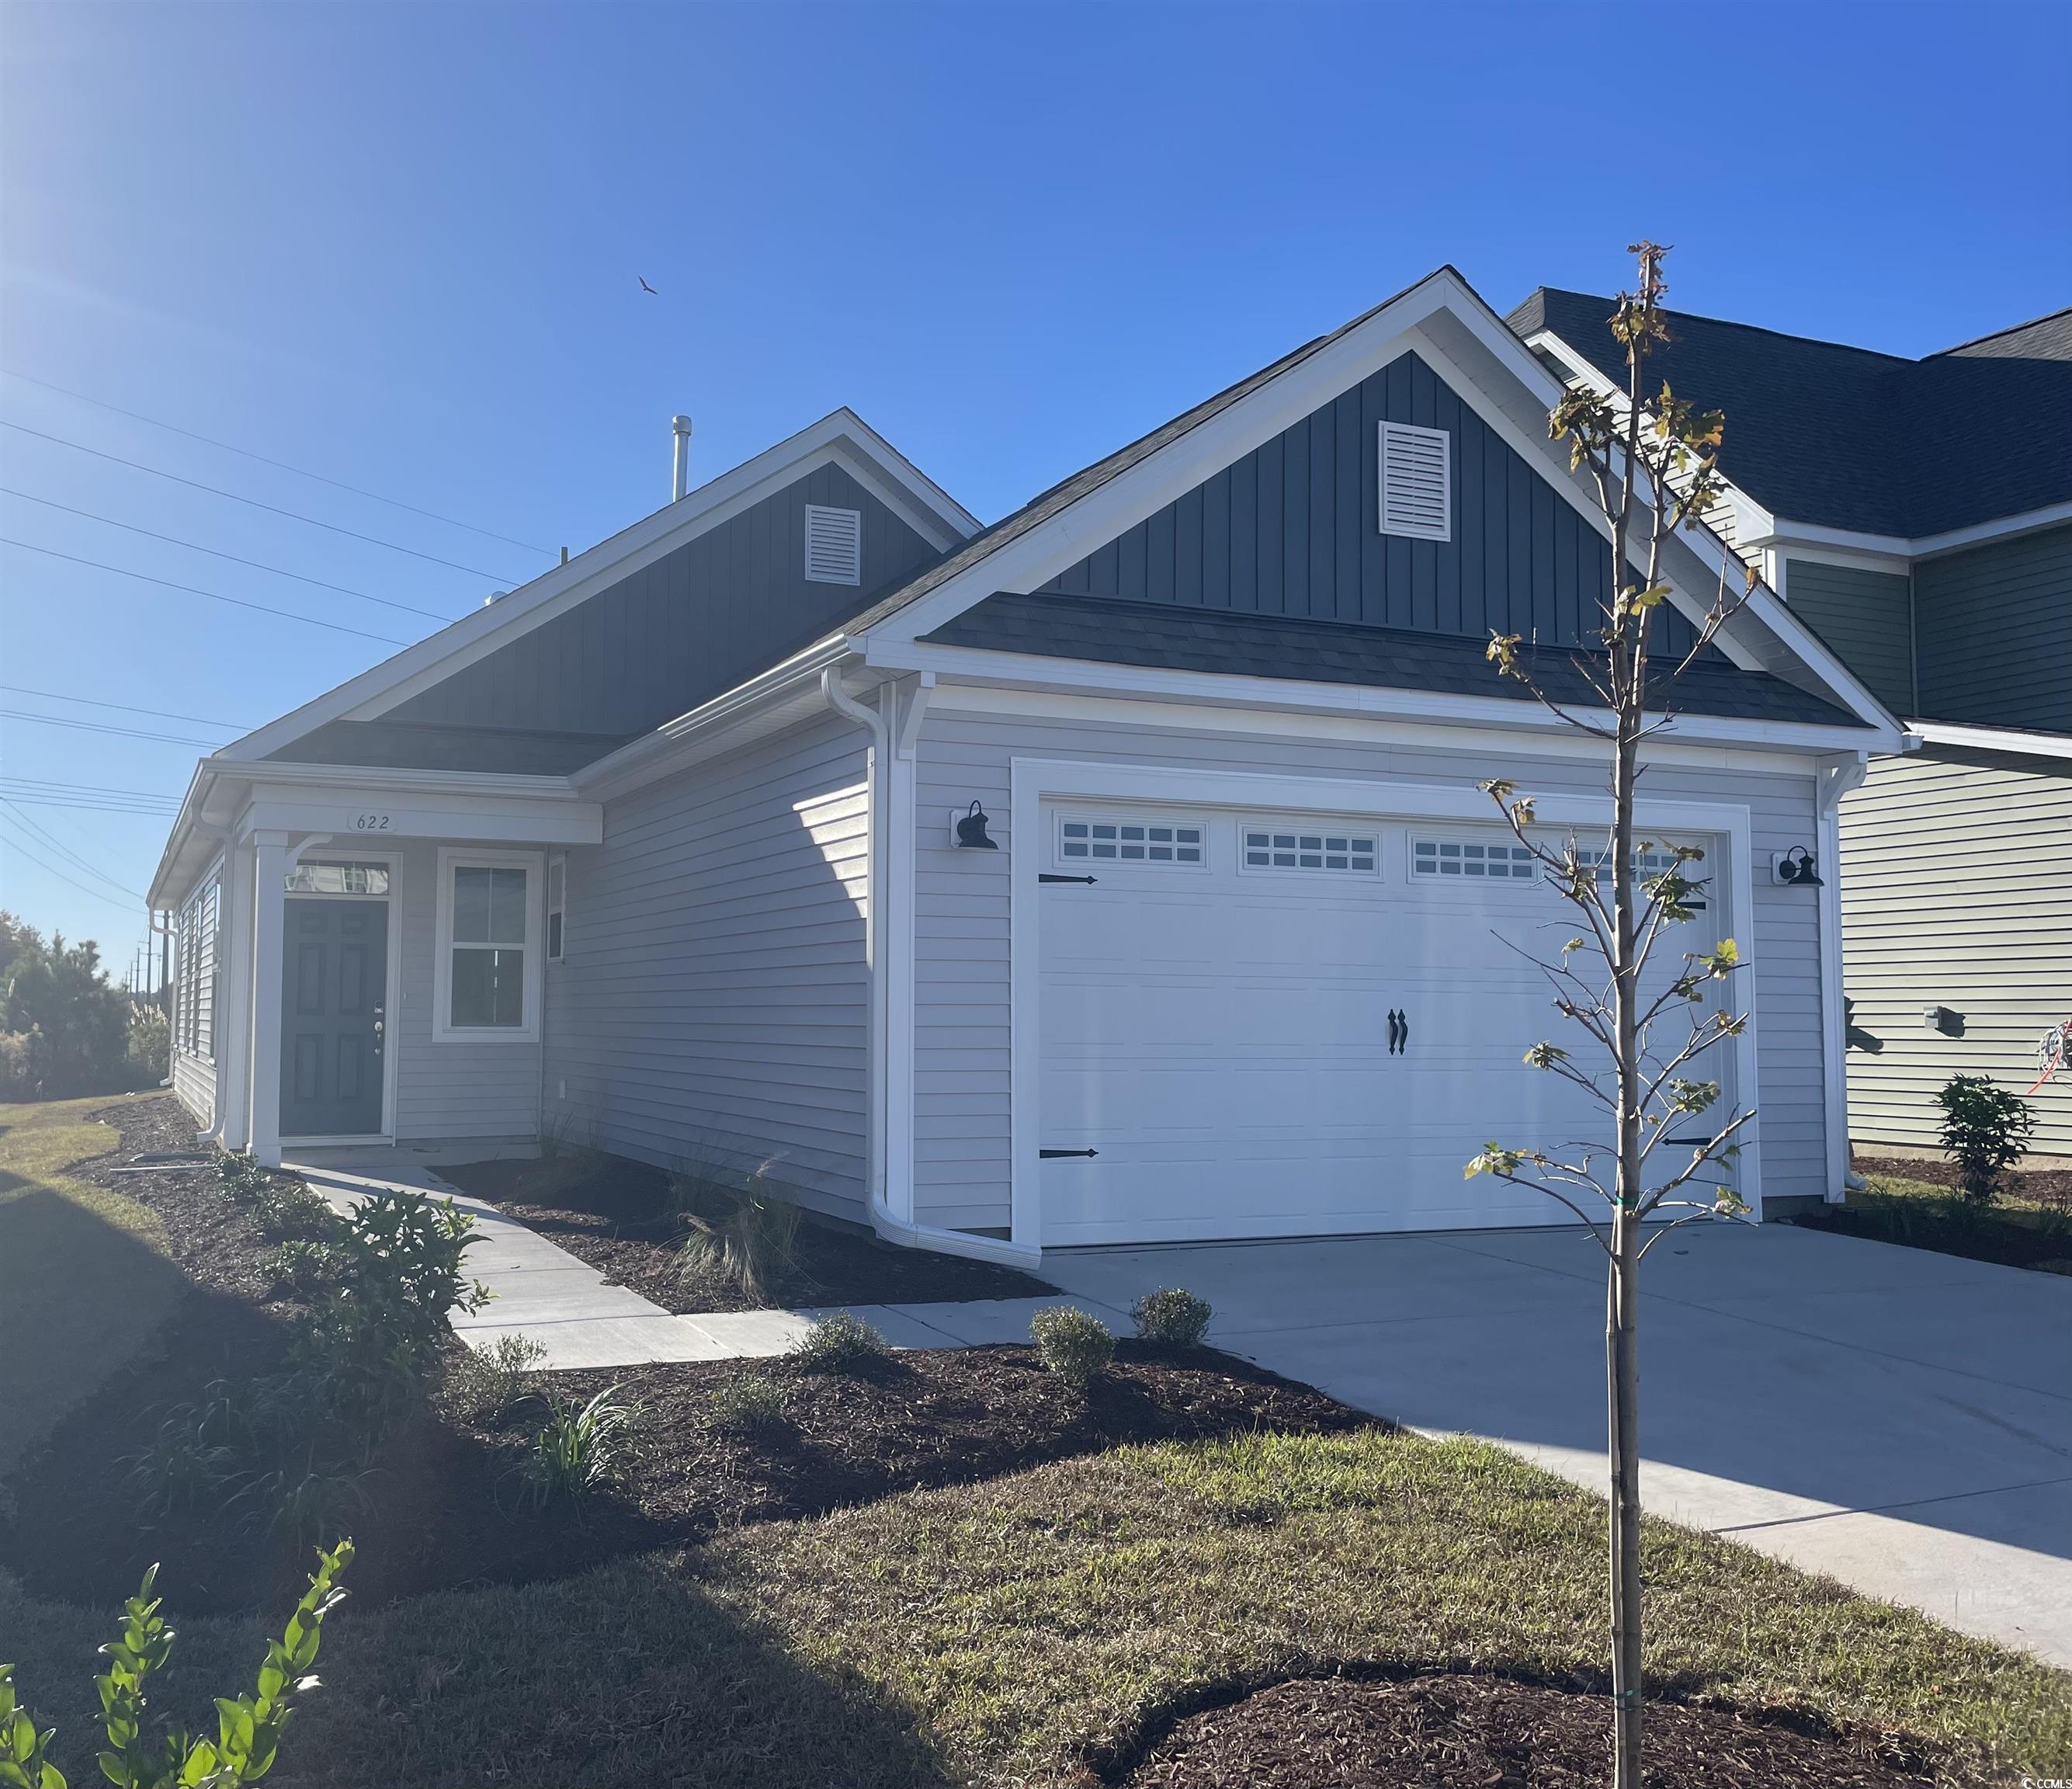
{"x":543,"y":1292}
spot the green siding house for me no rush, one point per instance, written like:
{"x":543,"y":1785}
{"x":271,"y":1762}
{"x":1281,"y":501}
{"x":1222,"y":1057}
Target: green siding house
{"x":1917,"y":516}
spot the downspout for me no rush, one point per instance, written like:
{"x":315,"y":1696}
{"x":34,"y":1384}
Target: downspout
{"x":892,"y":1228}
{"x":1836,"y":778}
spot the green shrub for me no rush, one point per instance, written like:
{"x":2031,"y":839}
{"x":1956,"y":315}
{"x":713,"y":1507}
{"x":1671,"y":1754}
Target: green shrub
{"x":72,"y":1022}
{"x":752,"y":1243}
{"x":1173,"y":1315}
{"x":753,"y":1405}
{"x":1073,"y":1345}
{"x":838,"y":1342}
{"x":305,"y":1503}
{"x":286,"y":1210}
{"x":148,"y":1050}
{"x":303,"y":1263}
{"x":249,"y":1728}
{"x":1985,"y":1131}
{"x":240,"y":1175}
{"x":486,"y":1383}
{"x":578,"y":1451}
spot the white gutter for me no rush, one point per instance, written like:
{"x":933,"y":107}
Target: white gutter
{"x":892,"y":1227}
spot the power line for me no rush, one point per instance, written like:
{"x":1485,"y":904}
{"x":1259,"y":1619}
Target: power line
{"x":266,"y":459}
{"x":103,"y":726}
{"x":196,"y":546}
{"x":193,"y":590}
{"x":126,"y":708}
{"x":81,"y":805}
{"x":67,"y":852}
{"x":38,"y":791}
{"x":215,"y":491}
{"x":48,"y":869}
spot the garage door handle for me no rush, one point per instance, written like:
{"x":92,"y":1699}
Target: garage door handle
{"x":1044,"y":876}
{"x":1052,"y":1155}
{"x":1398,"y":1033}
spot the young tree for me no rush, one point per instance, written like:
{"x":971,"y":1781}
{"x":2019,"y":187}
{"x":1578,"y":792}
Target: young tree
{"x":1654,"y":461}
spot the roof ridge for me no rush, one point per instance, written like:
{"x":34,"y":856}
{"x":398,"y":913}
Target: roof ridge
{"x":1994,"y":334}
{"x":1755,"y":329}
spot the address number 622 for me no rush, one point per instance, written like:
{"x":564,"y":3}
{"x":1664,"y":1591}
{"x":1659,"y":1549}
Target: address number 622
{"x":370,"y":822}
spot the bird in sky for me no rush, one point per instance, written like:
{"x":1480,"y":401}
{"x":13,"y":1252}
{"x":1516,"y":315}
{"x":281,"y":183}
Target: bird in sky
{"x":646,"y":287}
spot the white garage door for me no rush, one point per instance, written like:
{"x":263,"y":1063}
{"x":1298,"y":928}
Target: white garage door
{"x":1273,"y":1025}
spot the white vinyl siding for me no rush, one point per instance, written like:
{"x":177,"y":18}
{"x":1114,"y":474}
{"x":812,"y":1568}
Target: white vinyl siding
{"x":961,"y":1046}
{"x":1956,"y":892}
{"x":456,"y":1086}
{"x":716,"y":996}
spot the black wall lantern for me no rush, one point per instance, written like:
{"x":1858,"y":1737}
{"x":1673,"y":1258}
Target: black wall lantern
{"x":970,"y":830}
{"x":1795,"y":868}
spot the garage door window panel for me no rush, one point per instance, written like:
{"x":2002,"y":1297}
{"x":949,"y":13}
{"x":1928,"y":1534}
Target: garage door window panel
{"x":1276,"y":846}
{"x":1491,"y":860}
{"x":1090,"y":838}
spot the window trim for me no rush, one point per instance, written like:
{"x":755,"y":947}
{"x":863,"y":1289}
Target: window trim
{"x":534,"y":863}
{"x":1124,"y":817}
{"x":1377,"y":835}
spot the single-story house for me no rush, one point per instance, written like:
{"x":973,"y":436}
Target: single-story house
{"x":1916,"y":515}
{"x":1114,"y":872}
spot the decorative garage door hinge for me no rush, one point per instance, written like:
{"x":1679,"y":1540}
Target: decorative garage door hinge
{"x":1051,"y":1155}
{"x":1046,"y":876}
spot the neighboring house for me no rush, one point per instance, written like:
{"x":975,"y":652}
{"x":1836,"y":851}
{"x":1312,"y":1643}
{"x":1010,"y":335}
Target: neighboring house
{"x":679,"y":847}
{"x":1918,"y":515}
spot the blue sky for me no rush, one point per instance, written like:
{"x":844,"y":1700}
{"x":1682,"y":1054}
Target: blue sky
{"x":400,"y":246}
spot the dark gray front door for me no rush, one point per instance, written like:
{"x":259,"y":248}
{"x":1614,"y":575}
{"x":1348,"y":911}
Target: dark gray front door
{"x":333,"y":986}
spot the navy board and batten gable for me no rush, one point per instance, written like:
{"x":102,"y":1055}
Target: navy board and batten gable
{"x":690,"y":625}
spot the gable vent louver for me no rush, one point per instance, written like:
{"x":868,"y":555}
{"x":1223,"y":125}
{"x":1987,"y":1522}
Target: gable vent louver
{"x":834,"y":545}
{"x":1416,"y":482}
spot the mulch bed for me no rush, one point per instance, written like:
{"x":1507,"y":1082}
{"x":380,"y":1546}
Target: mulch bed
{"x":1491,"y":1732}
{"x":439,"y":1505}
{"x":2044,"y":1185}
{"x":612,"y":1213}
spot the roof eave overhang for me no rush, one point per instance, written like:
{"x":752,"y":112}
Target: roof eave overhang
{"x":1087,"y":677}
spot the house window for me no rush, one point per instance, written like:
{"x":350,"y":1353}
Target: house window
{"x":489,"y":948}
{"x":1488,"y":862}
{"x":1090,"y":840}
{"x":557,"y":878}
{"x":1296,"y":848}
{"x":318,"y":876}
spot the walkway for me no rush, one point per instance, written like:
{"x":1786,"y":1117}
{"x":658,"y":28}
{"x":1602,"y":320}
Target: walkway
{"x":547,"y":1295}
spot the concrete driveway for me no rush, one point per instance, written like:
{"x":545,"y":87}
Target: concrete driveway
{"x":1899,"y":1420}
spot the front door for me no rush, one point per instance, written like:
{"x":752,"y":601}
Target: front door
{"x":333,"y":987}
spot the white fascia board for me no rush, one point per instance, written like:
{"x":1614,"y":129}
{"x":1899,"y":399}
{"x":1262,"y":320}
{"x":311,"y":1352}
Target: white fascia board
{"x":841,"y":438}
{"x":1322,"y":726}
{"x":1788,"y":534}
{"x":2007,"y":739}
{"x":1029,"y":670}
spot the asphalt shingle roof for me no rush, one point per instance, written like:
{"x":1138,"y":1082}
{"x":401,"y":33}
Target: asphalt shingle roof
{"x":1848,"y":437}
{"x":1110,"y":631}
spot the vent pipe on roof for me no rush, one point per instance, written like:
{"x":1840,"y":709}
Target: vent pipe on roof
{"x":681,"y":482}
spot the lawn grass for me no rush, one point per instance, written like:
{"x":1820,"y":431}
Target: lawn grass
{"x":83,"y":1274}
{"x":1004,"y":1633}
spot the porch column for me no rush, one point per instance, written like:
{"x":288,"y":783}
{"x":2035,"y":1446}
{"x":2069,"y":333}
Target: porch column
{"x":233,"y":1066}
{"x":272,"y":855}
